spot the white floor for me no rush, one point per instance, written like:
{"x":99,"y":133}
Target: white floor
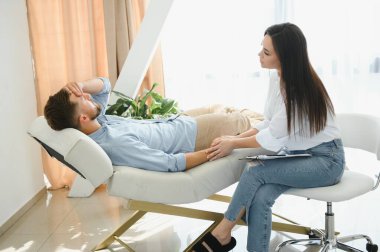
{"x":58,"y":223}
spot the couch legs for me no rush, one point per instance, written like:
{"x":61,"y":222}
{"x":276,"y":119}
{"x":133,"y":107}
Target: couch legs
{"x":119,"y":231}
{"x":143,"y":207}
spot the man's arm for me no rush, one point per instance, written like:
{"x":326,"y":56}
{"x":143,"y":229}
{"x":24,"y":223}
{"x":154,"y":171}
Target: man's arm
{"x":195,"y":158}
{"x":92,"y":86}
{"x":130,"y":151}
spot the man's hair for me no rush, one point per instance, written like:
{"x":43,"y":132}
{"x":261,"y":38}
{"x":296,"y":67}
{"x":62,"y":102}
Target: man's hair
{"x":60,"y":111}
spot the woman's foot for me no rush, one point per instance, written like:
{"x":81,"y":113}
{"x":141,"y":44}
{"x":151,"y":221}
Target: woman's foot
{"x":211,"y":244}
{"x":221,"y":237}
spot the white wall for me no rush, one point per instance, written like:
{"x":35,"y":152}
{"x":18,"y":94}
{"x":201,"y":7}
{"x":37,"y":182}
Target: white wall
{"x":21,"y":175}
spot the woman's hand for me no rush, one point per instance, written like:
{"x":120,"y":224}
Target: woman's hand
{"x":220,"y":147}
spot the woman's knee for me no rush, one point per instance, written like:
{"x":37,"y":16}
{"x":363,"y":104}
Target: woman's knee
{"x":263,"y":197}
{"x":252,"y":170}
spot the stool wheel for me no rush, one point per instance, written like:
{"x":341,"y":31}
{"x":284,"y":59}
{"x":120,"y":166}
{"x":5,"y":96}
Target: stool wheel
{"x":313,"y":235}
{"x":371,"y":247}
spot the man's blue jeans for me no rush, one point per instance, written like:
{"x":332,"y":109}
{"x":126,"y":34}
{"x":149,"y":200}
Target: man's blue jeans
{"x":260,"y":185}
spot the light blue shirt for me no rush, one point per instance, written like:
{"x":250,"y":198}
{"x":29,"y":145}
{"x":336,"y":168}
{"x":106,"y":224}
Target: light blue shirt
{"x":156,"y":145}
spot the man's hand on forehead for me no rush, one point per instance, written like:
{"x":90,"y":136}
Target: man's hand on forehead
{"x":75,"y":88}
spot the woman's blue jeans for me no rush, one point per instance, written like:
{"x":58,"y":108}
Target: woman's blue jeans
{"x":260,"y":185}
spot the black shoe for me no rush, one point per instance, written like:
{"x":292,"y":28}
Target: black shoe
{"x":213,"y":244}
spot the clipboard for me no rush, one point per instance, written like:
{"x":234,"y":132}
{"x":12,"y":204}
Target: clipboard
{"x":275,"y":156}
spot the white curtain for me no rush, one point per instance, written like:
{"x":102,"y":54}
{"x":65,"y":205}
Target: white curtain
{"x":214,"y":57}
{"x":343,"y":39}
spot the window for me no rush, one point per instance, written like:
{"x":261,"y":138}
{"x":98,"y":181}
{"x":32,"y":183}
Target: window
{"x":210,"y":50}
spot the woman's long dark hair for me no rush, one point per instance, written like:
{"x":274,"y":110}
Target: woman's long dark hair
{"x":305,"y":94}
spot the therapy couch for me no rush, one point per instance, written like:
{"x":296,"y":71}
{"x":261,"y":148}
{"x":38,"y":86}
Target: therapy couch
{"x":146,"y":191}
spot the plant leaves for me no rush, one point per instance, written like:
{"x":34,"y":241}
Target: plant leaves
{"x":160,"y":107}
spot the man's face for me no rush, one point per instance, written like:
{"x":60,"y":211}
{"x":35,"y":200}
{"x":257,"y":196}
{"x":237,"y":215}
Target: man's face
{"x":85,"y":105}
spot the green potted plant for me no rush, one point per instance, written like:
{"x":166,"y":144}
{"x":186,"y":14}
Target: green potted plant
{"x":138,"y":108}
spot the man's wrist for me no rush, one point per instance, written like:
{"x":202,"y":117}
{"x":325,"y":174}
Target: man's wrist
{"x":80,"y":84}
{"x":234,"y":142}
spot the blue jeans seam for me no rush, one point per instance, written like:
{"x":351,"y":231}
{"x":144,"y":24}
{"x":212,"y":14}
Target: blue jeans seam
{"x":265,"y":233}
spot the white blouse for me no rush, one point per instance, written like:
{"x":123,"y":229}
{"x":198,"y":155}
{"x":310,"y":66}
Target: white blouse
{"x":273,"y":131}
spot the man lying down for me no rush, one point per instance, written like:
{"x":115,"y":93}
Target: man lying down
{"x":173,"y":144}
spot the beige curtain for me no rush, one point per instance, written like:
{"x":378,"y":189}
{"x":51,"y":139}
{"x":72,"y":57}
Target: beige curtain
{"x":68,"y":44}
{"x":122,"y":22}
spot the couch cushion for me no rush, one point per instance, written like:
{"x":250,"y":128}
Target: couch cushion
{"x":180,"y":187}
{"x":75,"y":149}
